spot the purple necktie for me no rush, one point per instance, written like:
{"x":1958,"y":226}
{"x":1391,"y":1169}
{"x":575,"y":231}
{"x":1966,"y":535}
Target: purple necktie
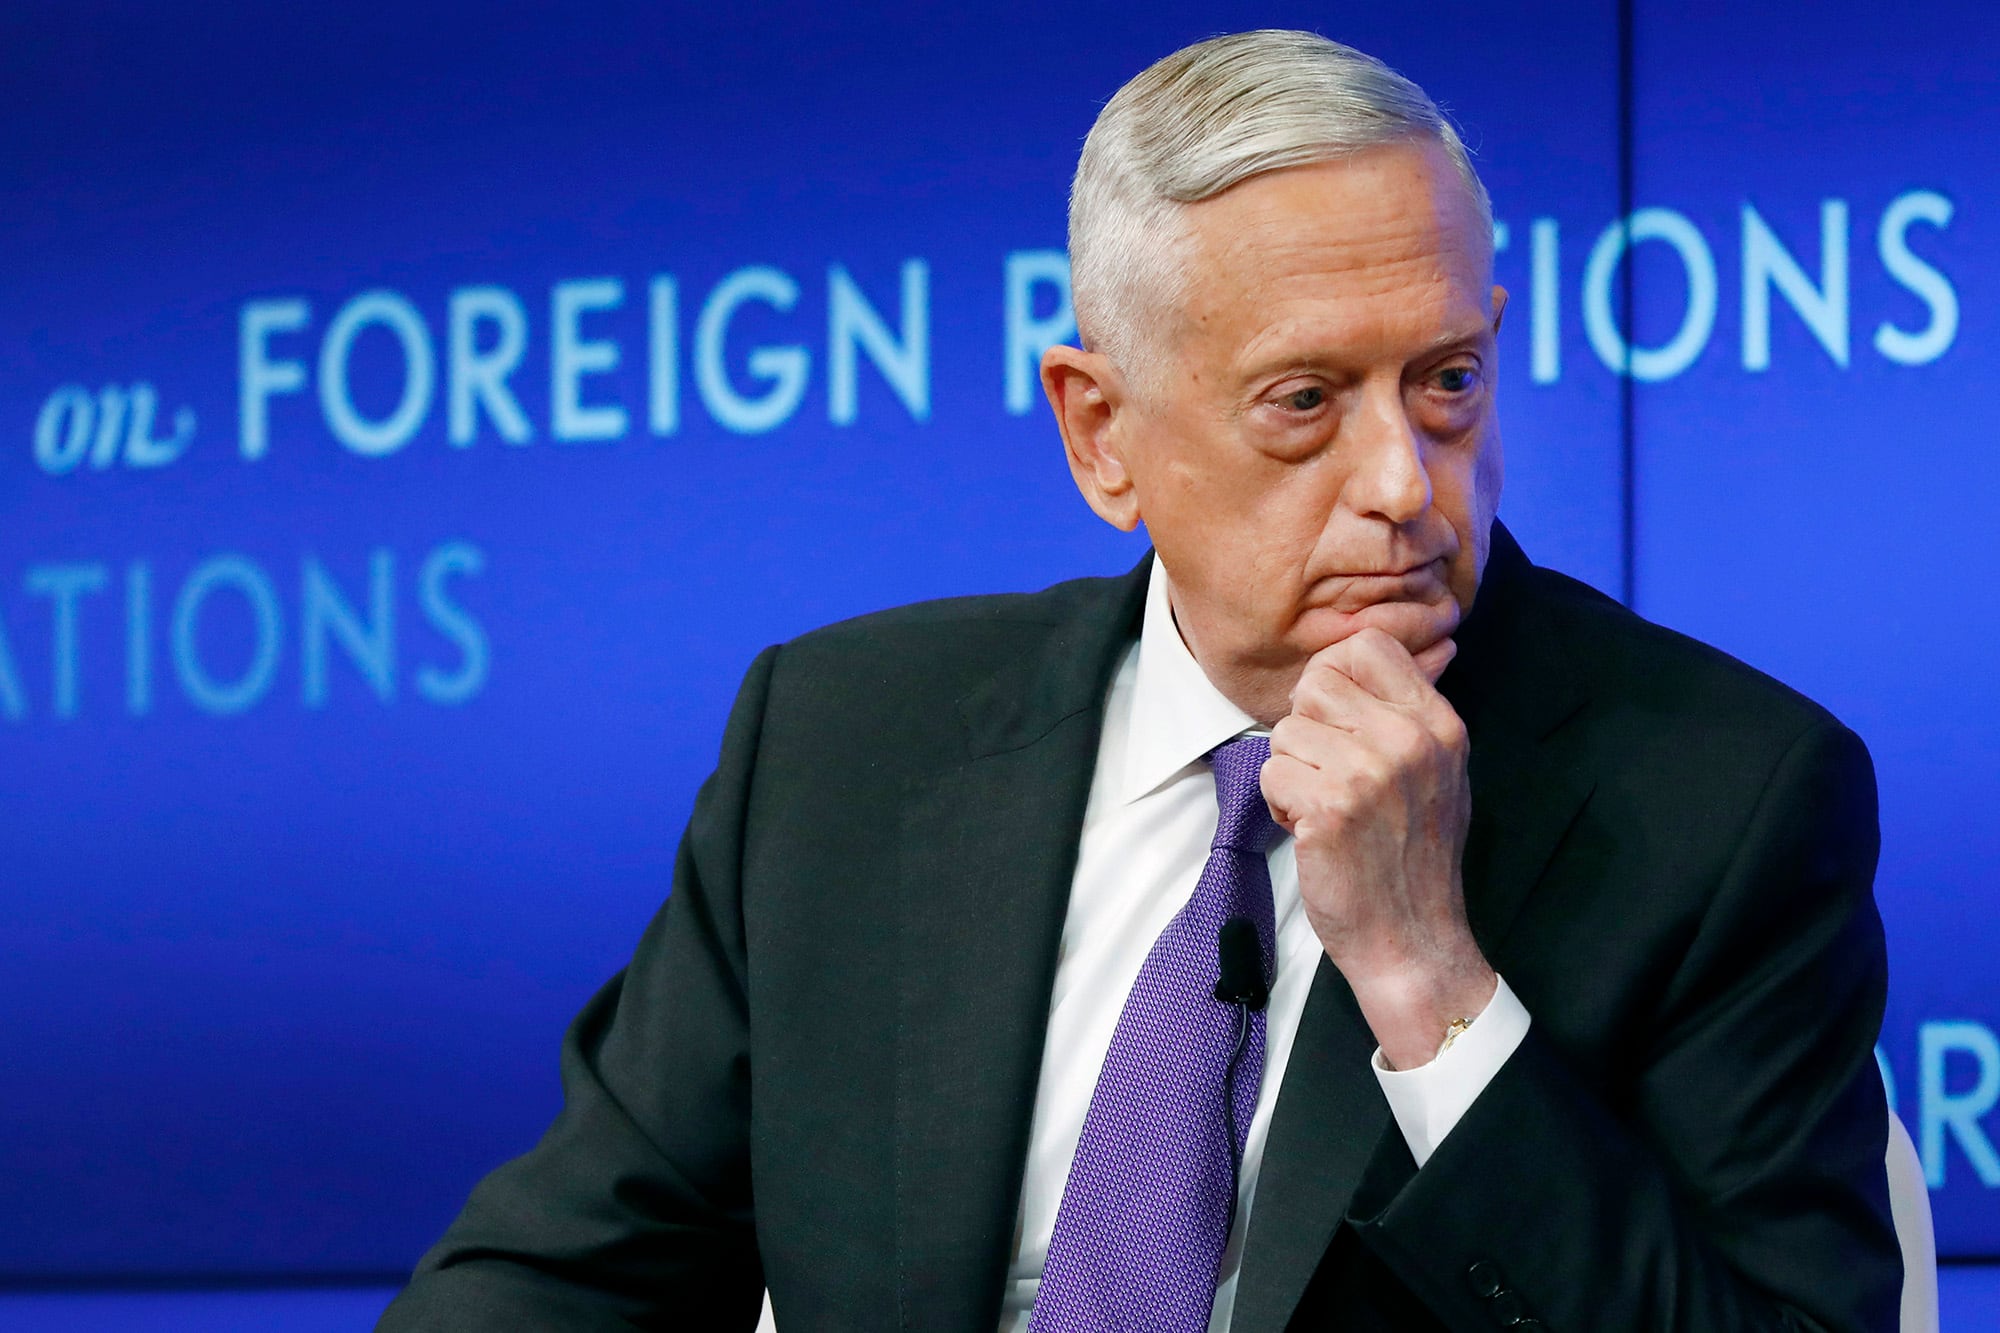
{"x":1146,"y":1210}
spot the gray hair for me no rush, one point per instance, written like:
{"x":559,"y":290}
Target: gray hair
{"x":1205,"y":118}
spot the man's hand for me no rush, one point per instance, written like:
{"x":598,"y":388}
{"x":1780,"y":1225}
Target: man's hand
{"x":1368,"y":775}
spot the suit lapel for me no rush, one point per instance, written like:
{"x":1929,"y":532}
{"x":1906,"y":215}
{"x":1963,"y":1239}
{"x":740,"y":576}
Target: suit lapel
{"x":988,"y":849}
{"x":1512,"y":688}
{"x":1329,"y":1117}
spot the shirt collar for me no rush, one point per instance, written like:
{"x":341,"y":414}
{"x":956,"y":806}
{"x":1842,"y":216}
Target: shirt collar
{"x":1178,"y":716}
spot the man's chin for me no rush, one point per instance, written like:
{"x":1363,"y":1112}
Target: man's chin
{"x":1421,"y":627}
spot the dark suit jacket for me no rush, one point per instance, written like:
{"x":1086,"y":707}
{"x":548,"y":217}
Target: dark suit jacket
{"x":818,"y":1070}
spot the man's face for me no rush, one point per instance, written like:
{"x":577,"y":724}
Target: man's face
{"x":1315,"y":449}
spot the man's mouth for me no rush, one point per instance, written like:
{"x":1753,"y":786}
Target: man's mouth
{"x":1423,"y":583}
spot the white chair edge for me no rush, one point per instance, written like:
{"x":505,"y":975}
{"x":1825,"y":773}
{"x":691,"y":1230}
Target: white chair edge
{"x":1910,"y":1207}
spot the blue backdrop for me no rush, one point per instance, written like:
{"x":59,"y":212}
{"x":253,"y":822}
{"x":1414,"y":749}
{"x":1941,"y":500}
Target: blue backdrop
{"x":412,"y":423}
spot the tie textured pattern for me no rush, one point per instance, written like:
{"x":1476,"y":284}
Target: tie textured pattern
{"x":1145,"y":1211}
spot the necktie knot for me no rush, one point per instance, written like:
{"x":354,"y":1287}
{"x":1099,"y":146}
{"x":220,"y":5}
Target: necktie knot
{"x":1243,"y":819}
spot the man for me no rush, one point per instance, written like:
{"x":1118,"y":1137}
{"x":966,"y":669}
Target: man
{"x":1556,"y":973}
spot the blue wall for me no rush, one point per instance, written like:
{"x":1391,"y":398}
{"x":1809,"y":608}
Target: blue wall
{"x":410,"y":426}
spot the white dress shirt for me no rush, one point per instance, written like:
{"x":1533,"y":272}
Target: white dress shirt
{"x":1146,"y":834}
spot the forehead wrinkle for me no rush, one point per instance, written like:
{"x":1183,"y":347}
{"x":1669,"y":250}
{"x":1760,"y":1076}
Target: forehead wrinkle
{"x":1346,"y":335}
{"x":1295,"y":268}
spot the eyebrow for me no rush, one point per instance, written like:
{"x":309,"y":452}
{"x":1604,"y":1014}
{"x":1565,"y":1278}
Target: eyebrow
{"x":1456,"y":338}
{"x":1322,"y":358}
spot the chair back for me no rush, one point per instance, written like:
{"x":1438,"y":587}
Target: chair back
{"x":1910,"y":1206}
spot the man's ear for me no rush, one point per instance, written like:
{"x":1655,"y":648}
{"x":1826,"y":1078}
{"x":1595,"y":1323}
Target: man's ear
{"x":1092,"y":411}
{"x":1499,"y":306}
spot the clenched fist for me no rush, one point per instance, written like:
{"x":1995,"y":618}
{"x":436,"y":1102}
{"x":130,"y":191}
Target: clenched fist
{"x":1368,"y":775}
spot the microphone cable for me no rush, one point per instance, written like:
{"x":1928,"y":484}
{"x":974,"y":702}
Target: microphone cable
{"x":1240,"y":983}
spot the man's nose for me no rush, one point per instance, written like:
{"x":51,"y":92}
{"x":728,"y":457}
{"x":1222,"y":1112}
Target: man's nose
{"x":1387,"y":479}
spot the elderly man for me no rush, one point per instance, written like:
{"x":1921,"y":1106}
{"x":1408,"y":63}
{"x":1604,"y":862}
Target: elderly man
{"x":1337,"y":922}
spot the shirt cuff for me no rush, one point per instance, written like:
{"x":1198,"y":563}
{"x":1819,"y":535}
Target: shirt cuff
{"x":1429,"y":1100}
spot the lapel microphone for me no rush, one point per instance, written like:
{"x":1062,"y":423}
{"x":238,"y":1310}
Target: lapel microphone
{"x":1239,"y":965}
{"x":1239,"y":981}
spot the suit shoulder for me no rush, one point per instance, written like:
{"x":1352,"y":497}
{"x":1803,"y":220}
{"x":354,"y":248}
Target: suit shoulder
{"x":894,"y":673}
{"x":1702,"y":759}
{"x":1652,"y":672}
{"x":949,"y":626}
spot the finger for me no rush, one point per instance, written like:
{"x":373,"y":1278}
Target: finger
{"x":1316,"y":744}
{"x":1287,"y":783}
{"x":1387,"y":741}
{"x":1433,"y":660}
{"x":1379,"y":664}
{"x":1327,"y":694}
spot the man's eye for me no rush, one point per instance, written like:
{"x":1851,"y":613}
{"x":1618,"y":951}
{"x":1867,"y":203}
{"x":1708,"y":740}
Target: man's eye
{"x":1305,"y":400}
{"x":1457,"y":379}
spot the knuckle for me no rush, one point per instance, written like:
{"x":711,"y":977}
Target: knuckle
{"x":1368,"y":774}
{"x":1449,"y":728}
{"x":1406,"y":741}
{"x":1321,"y":671}
{"x":1387,"y":649}
{"x":1316,"y":706}
{"x":1326,"y":818}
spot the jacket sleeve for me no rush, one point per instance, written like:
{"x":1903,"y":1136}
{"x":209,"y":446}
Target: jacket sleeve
{"x":634,"y":1210}
{"x":1743,"y":1187}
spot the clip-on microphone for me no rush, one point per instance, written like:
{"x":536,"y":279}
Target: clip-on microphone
{"x":1239,"y":966}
